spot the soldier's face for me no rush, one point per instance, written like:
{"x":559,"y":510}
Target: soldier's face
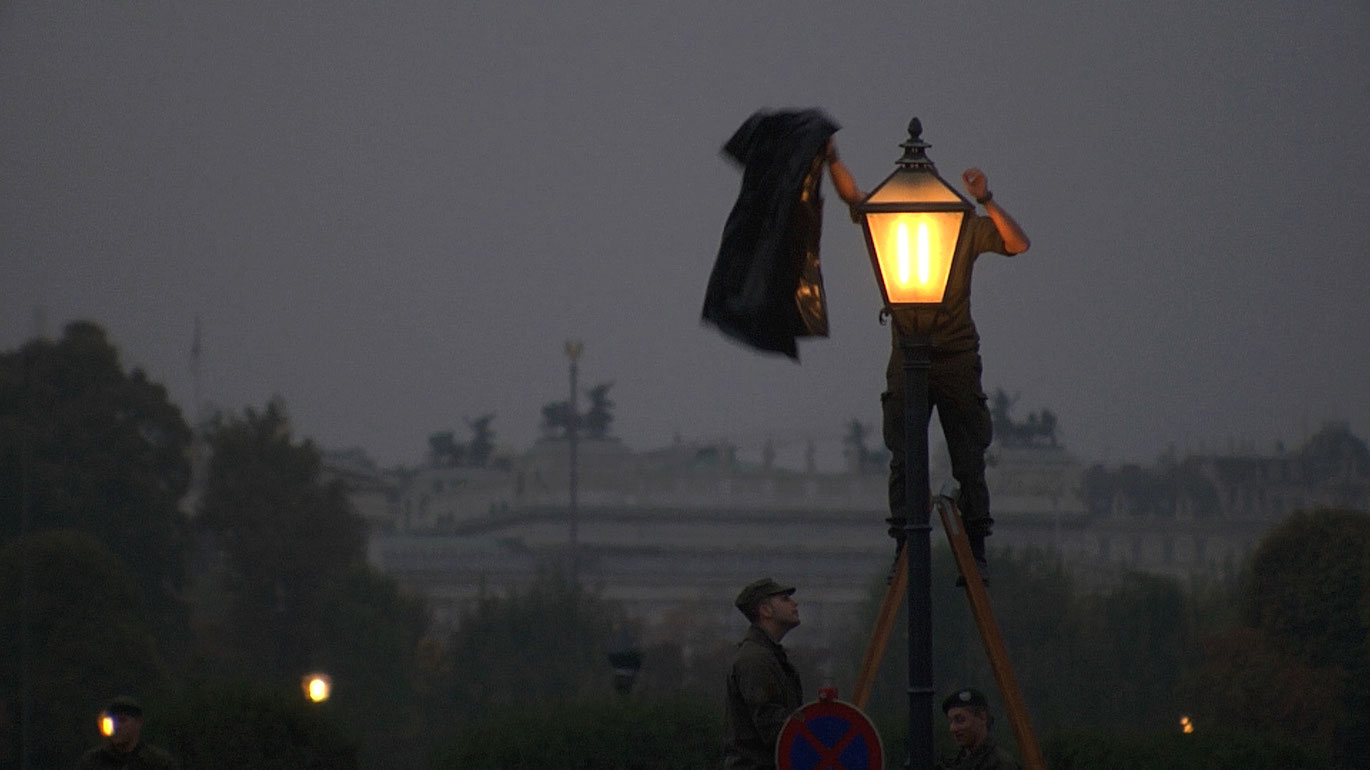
{"x":126,"y":731}
{"x":783,"y":609}
{"x":968,"y":727}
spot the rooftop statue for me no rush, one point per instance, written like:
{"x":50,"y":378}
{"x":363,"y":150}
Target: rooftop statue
{"x":1038,"y":430}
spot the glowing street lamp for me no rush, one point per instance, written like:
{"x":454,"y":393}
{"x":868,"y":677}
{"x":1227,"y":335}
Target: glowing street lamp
{"x":317,"y":687}
{"x":913,"y":222}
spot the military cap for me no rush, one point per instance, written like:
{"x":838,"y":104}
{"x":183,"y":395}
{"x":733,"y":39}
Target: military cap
{"x":967,"y":698}
{"x":758,"y":590}
{"x":125,"y":706}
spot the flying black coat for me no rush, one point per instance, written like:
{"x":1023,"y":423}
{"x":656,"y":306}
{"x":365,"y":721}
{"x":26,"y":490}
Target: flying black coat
{"x":766,"y":288}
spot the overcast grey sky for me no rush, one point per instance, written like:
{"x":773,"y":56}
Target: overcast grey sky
{"x":394,"y":214}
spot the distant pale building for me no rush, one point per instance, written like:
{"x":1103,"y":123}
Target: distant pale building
{"x":374,"y":494}
{"x":1206,"y":513}
{"x":672,"y":530}
{"x":675,"y":531}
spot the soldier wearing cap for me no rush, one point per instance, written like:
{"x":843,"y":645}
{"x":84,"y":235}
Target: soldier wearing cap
{"x":125,"y":749}
{"x":969,"y":718}
{"x":763,"y":688}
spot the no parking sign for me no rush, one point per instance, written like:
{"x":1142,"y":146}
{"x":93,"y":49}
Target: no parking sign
{"x":829,"y":734}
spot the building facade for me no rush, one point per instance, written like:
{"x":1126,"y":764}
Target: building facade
{"x":676,"y":531}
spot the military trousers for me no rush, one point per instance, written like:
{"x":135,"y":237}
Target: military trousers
{"x":954,"y":390}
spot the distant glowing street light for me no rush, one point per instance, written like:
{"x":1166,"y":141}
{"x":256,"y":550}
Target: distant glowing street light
{"x":1186,"y":726}
{"x":106,"y":724}
{"x":317,"y":687}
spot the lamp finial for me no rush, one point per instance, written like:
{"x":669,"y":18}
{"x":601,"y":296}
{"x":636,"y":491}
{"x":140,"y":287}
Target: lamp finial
{"x":915,"y":149}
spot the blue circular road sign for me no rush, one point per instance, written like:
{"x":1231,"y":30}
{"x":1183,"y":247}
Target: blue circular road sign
{"x":829,"y":735}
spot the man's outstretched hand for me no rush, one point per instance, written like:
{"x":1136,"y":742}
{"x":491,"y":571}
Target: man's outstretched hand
{"x":977,"y":184}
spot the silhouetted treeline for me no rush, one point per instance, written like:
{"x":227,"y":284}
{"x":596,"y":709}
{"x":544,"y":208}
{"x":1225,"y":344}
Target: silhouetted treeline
{"x":210,"y":616}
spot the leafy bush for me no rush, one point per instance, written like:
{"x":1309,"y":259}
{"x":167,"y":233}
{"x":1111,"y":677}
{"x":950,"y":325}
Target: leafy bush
{"x":1167,"y":751}
{"x":230,"y":725}
{"x":618,"y":734}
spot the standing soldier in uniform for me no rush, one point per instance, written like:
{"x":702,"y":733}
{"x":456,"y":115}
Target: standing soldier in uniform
{"x":763,"y":688}
{"x":125,"y":749}
{"x":969,"y":719}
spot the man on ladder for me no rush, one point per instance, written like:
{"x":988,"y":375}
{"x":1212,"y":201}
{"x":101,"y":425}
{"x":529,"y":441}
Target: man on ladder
{"x":954,"y":387}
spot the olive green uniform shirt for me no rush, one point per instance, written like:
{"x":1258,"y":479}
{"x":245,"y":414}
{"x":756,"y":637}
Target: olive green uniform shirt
{"x":143,"y":757}
{"x":763,"y":690}
{"x":988,"y":757}
{"x":952,"y":329}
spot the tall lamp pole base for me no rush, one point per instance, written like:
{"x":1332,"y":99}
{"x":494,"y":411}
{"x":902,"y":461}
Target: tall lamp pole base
{"x":917,"y":354}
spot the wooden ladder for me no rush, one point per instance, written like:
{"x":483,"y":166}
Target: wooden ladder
{"x":984,"y":620}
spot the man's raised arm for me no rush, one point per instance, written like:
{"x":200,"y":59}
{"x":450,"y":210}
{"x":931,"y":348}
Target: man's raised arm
{"x":977,"y":184}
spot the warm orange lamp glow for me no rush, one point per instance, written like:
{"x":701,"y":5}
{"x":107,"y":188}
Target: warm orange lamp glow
{"x":106,"y":724}
{"x":317,"y":687}
{"x":913,"y":222}
{"x":913,"y":252}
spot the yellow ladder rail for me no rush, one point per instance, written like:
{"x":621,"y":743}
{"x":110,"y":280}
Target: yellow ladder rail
{"x":983,"y":612}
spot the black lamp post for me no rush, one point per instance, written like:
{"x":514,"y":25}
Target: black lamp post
{"x":913,"y":222}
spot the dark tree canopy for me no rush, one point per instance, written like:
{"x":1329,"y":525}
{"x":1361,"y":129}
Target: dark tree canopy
{"x":679,"y":733}
{"x":546,"y":643}
{"x":89,"y":635}
{"x":286,"y":536}
{"x":299,"y":593}
{"x":1307,"y":582}
{"x":239,"y":725}
{"x":94,"y":462}
{"x":1298,"y":663}
{"x":86,"y":445}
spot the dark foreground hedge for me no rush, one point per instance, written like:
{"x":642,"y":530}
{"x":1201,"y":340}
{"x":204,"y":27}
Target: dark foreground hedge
{"x":1168,"y":751}
{"x":608,"y":734}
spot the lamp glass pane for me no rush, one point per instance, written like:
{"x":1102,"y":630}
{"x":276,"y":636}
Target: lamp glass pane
{"x":907,"y":185}
{"x":913,"y":253}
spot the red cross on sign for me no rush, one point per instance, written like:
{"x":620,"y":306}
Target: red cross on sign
{"x":829,"y":734}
